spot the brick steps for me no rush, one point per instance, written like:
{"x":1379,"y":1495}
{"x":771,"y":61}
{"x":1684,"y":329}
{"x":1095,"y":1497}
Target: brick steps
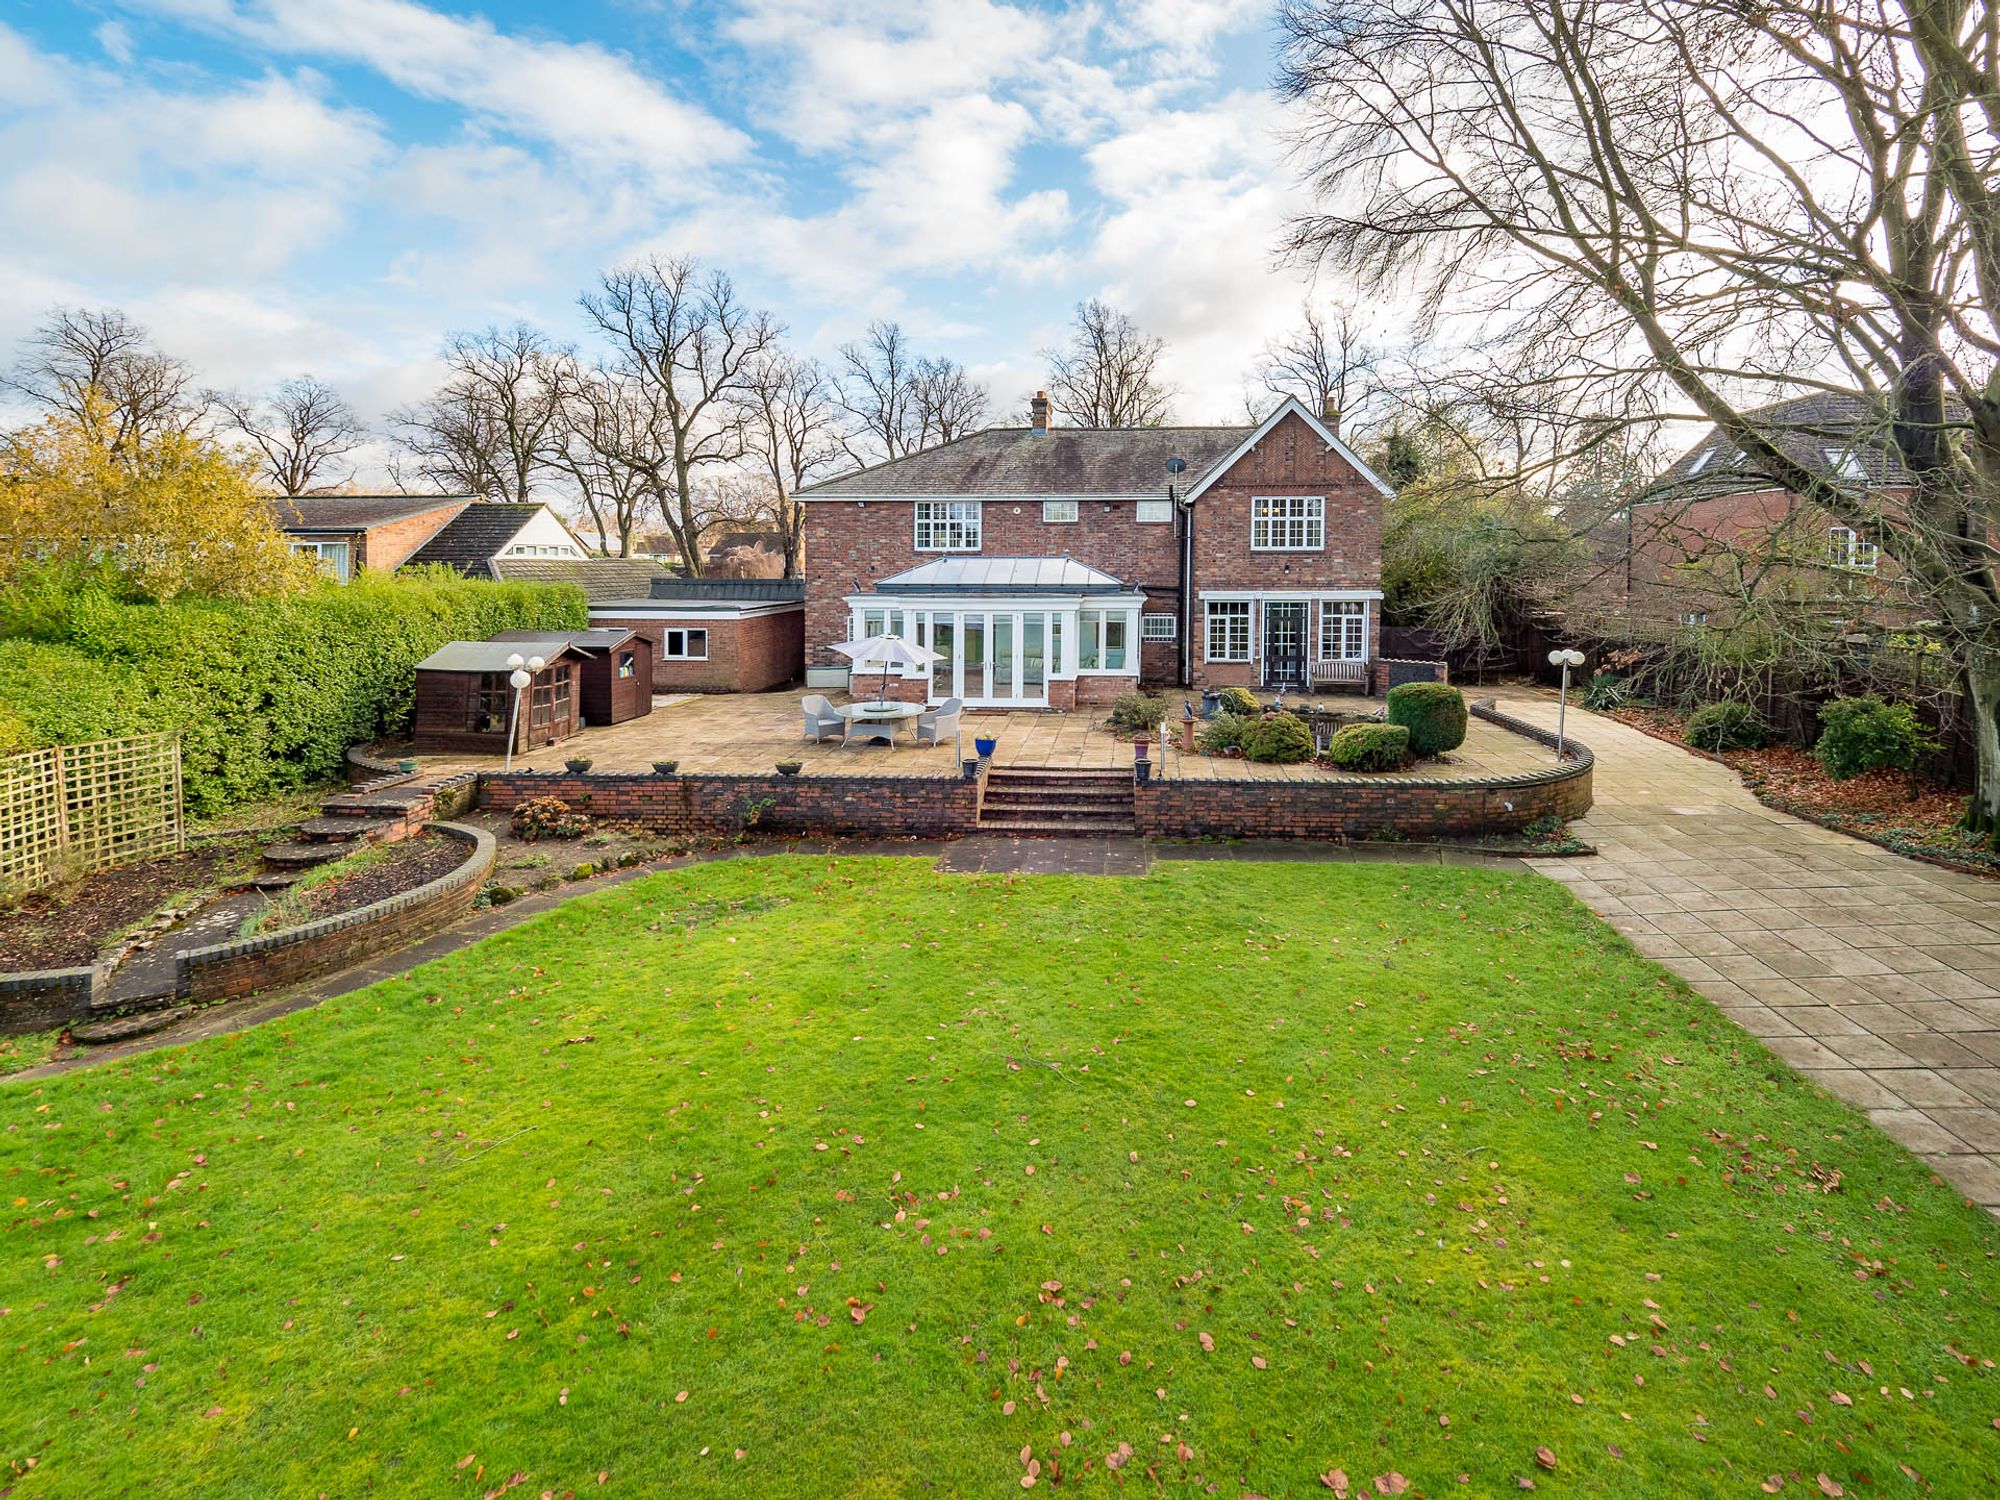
{"x":344,"y":828}
{"x":304,"y":856}
{"x":1076,"y":803}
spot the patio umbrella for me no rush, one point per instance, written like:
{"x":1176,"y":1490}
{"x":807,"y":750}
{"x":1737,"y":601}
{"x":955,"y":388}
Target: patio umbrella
{"x":886,"y":651}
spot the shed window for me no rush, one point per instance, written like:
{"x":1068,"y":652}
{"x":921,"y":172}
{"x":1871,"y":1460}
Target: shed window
{"x":684,"y":645}
{"x":487,"y":704}
{"x":947,"y":525}
{"x":628,"y":664}
{"x":1229,"y":630}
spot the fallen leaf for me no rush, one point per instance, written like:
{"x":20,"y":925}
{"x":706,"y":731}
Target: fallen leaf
{"x":1545,"y":1458}
{"x":1830,"y":1487}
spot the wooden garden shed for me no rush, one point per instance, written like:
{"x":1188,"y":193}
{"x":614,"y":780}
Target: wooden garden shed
{"x":464,"y":698}
{"x":614,"y":667}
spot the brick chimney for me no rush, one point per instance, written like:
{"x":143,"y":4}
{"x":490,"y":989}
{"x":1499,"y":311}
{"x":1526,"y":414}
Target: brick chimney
{"x":1038,"y":413}
{"x":1329,"y":413}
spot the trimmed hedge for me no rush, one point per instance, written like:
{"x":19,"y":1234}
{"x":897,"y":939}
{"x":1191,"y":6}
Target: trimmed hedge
{"x":267,"y":694}
{"x":1725,"y":726}
{"x":1433,"y":712}
{"x":1369,"y":747}
{"x":1240,"y":701}
{"x":1278,"y":740}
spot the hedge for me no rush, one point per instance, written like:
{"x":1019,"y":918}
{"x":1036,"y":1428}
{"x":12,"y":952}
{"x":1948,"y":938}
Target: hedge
{"x":267,"y":694}
{"x":1433,"y":712}
{"x":1369,"y":747}
{"x":1277,"y":739}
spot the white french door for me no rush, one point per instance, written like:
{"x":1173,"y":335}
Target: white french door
{"x":990,"y":658}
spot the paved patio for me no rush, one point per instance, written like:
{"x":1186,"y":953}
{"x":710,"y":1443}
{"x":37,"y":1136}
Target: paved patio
{"x":753,"y":731}
{"x":1875,"y":975}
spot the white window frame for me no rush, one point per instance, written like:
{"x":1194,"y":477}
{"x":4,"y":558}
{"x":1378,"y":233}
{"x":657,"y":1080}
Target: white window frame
{"x":1852,"y":552}
{"x":685,"y":632}
{"x":1159,"y":628}
{"x":335,"y":558}
{"x":1216,"y":612}
{"x":946,"y":525}
{"x":1350,"y":616}
{"x":1095,"y":620}
{"x":1288,"y":523}
{"x":1845,"y":463}
{"x":1060,"y":512}
{"x":1153,"y":512}
{"x":1694,"y":618}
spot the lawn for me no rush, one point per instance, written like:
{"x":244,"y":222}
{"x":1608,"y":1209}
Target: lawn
{"x":812,"y":1176}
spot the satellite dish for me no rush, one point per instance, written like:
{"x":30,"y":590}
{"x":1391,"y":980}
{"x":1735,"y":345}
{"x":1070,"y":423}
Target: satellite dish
{"x":1176,"y":466}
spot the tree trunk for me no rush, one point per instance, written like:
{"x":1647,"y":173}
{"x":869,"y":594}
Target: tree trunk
{"x":1982,"y":692}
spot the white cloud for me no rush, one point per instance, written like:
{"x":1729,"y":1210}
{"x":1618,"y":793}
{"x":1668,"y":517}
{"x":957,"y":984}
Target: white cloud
{"x":115,"y":37}
{"x":589,"y":103}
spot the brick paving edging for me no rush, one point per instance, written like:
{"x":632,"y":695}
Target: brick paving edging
{"x":228,"y":970}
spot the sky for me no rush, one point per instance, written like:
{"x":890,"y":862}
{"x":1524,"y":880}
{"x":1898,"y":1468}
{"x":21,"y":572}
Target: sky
{"x":278,"y":187}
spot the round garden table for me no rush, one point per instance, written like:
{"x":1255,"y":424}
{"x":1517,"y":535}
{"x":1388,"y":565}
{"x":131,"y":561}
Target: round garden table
{"x":876,"y":721}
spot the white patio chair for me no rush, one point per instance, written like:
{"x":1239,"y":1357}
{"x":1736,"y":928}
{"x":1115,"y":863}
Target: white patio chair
{"x":940,"y":723}
{"x":821,"y":720}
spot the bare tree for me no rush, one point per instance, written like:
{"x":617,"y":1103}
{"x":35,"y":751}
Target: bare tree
{"x":493,"y":427}
{"x":78,"y":351}
{"x":899,"y":402}
{"x":790,"y":415}
{"x":301,"y":432}
{"x":605,"y":415}
{"x":1683,"y":210}
{"x":1326,"y":361}
{"x":689,"y":345}
{"x":1108,"y":375}
{"x":950,"y":403}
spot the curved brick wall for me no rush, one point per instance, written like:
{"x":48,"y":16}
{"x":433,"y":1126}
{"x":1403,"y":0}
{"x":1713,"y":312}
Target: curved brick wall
{"x":43,"y":999}
{"x":227,"y":970}
{"x":1360,"y":807}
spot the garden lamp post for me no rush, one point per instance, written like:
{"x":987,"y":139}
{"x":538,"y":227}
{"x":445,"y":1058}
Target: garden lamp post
{"x":1564,"y":659}
{"x":522,"y":673}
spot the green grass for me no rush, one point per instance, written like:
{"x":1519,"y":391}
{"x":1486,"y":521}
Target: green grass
{"x":1442,"y":1169}
{"x":27,"y":1049}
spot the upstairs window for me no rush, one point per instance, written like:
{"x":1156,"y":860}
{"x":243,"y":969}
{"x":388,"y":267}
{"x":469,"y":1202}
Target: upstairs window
{"x":1152,"y":512}
{"x":1845,"y":463}
{"x":1851,"y":551}
{"x":1343,"y":630}
{"x":947,"y":525}
{"x":1059,"y":512}
{"x":1287,"y":523}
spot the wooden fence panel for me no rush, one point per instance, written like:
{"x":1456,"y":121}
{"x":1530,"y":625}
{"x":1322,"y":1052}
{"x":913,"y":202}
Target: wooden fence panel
{"x":71,"y":810}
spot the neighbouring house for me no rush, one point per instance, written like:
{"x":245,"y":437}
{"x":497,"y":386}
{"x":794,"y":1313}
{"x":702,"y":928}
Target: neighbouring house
{"x":614,"y":672}
{"x":1054,"y":566}
{"x":716,"y":635}
{"x":491,"y":532}
{"x":465,"y":699}
{"x":747,"y":554}
{"x":1711,"y":533}
{"x":600,"y":578}
{"x":347,"y":533}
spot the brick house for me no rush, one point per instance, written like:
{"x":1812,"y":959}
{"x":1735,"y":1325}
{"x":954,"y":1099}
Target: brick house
{"x":716,"y":635}
{"x":347,"y":533}
{"x":1055,"y":566}
{"x":1712,"y":532}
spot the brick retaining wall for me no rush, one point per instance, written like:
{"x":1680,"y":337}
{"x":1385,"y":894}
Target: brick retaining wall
{"x":43,"y":999}
{"x":1359,"y":807}
{"x":706,"y":805}
{"x":227,"y":970}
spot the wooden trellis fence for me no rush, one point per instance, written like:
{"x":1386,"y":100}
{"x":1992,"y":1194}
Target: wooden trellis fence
{"x":74,"y":809}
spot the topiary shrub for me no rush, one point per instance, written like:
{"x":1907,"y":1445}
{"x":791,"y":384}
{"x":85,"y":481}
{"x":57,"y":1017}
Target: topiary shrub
{"x":1138,"y":713}
{"x":548,"y":818}
{"x":1433,"y":712}
{"x":1725,"y":726}
{"x":1240,"y":701}
{"x":1222,"y":733}
{"x":1865,"y":734}
{"x":1370,"y":747}
{"x":1278,"y":740}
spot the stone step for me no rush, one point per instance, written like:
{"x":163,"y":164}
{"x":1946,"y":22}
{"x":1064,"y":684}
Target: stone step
{"x":275,"y":880}
{"x":124,"y":1028}
{"x":389,"y":804}
{"x":133,"y":1004}
{"x":299,"y":856}
{"x":1012,"y":801}
{"x":344,"y":828}
{"x":1044,"y":810}
{"x":1049,"y":776}
{"x":1061,"y":825}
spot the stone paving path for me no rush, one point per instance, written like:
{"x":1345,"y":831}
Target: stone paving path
{"x":1876,"y":976}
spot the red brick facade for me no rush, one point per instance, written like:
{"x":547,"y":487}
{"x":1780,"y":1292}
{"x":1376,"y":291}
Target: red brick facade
{"x":388,"y":546}
{"x":721,"y":806}
{"x":747,"y":653}
{"x":855,"y":543}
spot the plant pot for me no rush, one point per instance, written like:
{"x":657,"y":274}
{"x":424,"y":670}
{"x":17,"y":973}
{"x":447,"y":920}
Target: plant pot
{"x":790,"y":767}
{"x":969,"y":769}
{"x":1142,"y":770}
{"x":578,"y":764}
{"x":407,"y":767}
{"x":666,"y":767}
{"x":985,"y":747}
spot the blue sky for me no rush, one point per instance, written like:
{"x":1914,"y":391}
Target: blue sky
{"x":279,"y":186}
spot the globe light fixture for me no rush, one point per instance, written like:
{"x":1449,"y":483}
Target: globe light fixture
{"x":518,"y":679}
{"x":1564,"y":658}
